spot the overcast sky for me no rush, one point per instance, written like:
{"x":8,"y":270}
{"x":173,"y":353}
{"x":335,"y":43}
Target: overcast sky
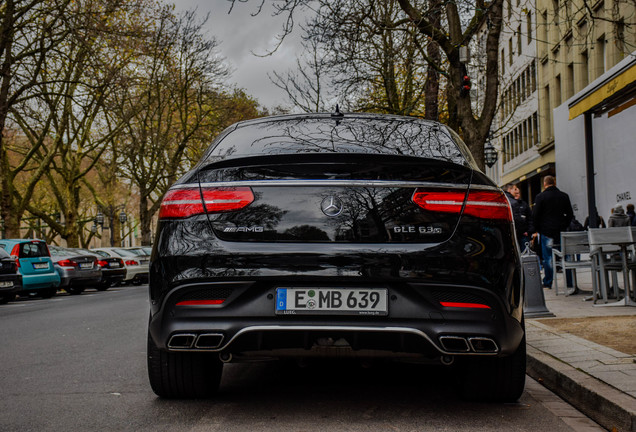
{"x":241,"y":35}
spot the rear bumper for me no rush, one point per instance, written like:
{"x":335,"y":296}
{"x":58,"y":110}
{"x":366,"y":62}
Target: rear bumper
{"x":417,"y":325}
{"x":40,"y":281}
{"x":16,"y":284}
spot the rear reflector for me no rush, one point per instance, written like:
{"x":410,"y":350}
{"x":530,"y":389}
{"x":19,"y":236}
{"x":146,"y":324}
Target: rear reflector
{"x":186,"y":202}
{"x":465,"y":305}
{"x":481,"y":204}
{"x":200,"y":302}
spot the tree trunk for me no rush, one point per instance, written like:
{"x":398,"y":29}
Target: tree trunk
{"x":431,"y":87}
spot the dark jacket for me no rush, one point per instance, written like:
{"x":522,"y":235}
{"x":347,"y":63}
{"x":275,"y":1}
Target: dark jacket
{"x":552,"y":213}
{"x":522,"y":216}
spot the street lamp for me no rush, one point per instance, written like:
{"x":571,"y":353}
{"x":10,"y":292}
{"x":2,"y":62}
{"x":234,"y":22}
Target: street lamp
{"x":490,"y":154}
{"x":122,"y":220}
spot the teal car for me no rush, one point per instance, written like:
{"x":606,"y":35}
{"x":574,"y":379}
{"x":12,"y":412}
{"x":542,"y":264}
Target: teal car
{"x":35,"y":265}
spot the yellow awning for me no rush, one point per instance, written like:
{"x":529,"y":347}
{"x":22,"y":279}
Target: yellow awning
{"x":612,"y":86}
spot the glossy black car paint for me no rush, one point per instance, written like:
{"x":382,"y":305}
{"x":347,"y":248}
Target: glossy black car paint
{"x":283,"y":239}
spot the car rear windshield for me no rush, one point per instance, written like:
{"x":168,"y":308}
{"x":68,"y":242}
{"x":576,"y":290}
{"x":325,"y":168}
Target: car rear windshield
{"x":349,"y":135}
{"x":33,"y":250}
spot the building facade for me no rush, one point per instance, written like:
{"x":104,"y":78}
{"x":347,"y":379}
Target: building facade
{"x":516,"y":126}
{"x":578,"y":42}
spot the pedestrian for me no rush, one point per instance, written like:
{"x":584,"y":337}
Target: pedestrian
{"x":618,"y":218}
{"x":551,"y":215}
{"x":521,"y":214}
{"x":600,"y":222}
{"x":632,"y":215}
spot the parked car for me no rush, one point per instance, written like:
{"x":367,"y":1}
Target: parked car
{"x":77,"y":270}
{"x":35,"y":265}
{"x":10,"y":278}
{"x":113,"y":270}
{"x":142,"y":253}
{"x":336,"y":235}
{"x":136,"y":272}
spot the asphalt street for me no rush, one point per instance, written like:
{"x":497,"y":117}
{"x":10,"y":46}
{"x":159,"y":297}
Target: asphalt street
{"x":78,"y":363}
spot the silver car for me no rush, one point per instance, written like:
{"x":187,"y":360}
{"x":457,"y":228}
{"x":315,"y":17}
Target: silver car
{"x":77,"y":271}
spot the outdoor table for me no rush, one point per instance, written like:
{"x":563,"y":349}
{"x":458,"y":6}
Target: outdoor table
{"x":623,"y":240}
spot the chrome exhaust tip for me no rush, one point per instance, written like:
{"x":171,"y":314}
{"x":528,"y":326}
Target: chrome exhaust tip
{"x":454,"y":343}
{"x":225,"y":357}
{"x":209,"y":341}
{"x":181,"y":341}
{"x":483,"y":345}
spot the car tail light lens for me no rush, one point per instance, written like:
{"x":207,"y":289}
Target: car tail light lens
{"x":465,"y":305}
{"x":132,"y":262}
{"x":186,"y":202}
{"x":481,"y":204}
{"x":201,"y":302}
{"x":67,"y":263}
{"x":102,"y":263}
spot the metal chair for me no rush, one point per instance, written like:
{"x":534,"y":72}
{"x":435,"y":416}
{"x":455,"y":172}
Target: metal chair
{"x":572,"y":244}
{"x":606,"y":257}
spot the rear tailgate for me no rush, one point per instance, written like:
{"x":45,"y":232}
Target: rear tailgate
{"x":334,"y":198}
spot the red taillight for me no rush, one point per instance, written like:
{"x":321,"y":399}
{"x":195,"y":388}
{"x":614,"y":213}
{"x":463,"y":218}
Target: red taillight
{"x":132,"y":262}
{"x":67,"y":263}
{"x":102,"y":263}
{"x":200,"y":302}
{"x":186,"y":202}
{"x":465,"y":305}
{"x":481,"y":204}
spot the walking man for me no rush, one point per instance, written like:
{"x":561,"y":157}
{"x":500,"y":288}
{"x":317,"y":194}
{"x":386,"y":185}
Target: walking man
{"x":551,"y":214}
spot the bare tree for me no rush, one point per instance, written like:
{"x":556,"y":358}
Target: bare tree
{"x":29,"y":31}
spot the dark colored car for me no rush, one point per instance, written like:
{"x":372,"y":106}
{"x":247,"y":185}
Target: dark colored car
{"x":322,"y":235}
{"x":113,"y":270}
{"x":10,"y":278}
{"x":77,"y":270}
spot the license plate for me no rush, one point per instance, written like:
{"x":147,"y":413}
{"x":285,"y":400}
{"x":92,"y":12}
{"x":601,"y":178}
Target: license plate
{"x":6,"y":284}
{"x":331,"y":301}
{"x":86,"y":266}
{"x":40,"y":266}
{"x":114,"y":265}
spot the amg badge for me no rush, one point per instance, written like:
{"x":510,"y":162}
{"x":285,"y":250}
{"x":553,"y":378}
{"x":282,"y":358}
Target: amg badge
{"x":255,"y":229}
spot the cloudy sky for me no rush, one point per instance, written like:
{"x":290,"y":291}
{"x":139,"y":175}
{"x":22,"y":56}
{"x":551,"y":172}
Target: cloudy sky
{"x":241,"y":35}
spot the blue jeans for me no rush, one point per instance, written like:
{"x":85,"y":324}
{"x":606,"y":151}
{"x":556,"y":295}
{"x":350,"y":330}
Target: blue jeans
{"x":546,"y":250}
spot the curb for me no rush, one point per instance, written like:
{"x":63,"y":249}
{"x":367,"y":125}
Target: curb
{"x":609,"y":407}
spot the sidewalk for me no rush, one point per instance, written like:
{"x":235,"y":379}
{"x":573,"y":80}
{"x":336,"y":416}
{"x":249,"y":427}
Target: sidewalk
{"x":597,"y":380}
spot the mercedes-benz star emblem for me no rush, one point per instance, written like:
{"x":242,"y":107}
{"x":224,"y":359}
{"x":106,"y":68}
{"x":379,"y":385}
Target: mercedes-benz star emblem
{"x":331,"y":206}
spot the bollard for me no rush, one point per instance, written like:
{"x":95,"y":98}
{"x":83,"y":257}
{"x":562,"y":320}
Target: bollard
{"x":534,"y":303}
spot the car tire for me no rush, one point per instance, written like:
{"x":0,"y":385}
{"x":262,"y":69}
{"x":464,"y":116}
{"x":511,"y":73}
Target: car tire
{"x":183,"y":375}
{"x":74,"y":290}
{"x":103,"y":286}
{"x":495,"y":379}
{"x":7,"y":298}
{"x":47,"y":293}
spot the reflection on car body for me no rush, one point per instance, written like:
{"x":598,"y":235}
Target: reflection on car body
{"x":294,"y":232}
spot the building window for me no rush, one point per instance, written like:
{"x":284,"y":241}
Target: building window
{"x":585,"y":69}
{"x":503,"y":62}
{"x":557,"y":90}
{"x":509,"y":4}
{"x":529,"y":28}
{"x":569,"y":84}
{"x":510,"y":51}
{"x":519,"y":40}
{"x":599,"y":49}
